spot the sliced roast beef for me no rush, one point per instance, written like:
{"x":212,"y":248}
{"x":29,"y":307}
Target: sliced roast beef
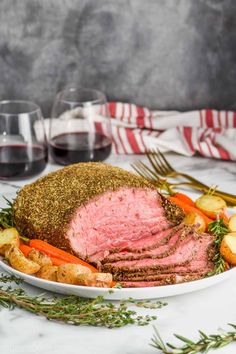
{"x":167,"y":277}
{"x":170,"y":245}
{"x":196,"y":248}
{"x":192,"y":267}
{"x":170,"y":280}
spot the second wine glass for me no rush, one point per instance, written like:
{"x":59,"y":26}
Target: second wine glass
{"x":80,"y":127}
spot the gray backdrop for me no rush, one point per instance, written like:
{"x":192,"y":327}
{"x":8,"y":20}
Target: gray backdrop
{"x":165,"y":54}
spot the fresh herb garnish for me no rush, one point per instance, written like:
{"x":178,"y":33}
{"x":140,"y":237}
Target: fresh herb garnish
{"x":218,"y":229}
{"x":203,"y":345}
{"x":73,"y":309}
{"x":6,"y":215}
{"x":117,"y":286}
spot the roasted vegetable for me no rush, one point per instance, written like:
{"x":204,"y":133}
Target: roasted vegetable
{"x":55,"y":252}
{"x":101,"y":280}
{"x":195,"y":219}
{"x":8,"y":237}
{"x":228,"y":248}
{"x":19,"y":262}
{"x":232,"y":223}
{"x":39,"y":257}
{"x":48,"y":272}
{"x":211,"y":205}
{"x":68,"y":273}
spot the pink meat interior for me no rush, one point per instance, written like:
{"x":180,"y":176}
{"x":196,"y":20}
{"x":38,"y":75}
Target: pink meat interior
{"x":115,"y":219}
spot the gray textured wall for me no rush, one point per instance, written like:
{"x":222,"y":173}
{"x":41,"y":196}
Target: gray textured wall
{"x":164,"y":54}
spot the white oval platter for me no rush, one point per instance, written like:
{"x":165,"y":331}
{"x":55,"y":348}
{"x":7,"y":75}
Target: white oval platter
{"x":124,"y":293}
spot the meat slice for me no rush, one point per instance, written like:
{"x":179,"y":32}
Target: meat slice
{"x":169,"y":278}
{"x":176,"y":279}
{"x":195,"y":249}
{"x":93,"y":209}
{"x":137,"y":246}
{"x":170,"y":243}
{"x":119,"y":222}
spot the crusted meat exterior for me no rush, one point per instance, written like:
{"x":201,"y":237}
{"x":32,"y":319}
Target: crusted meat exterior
{"x":45,"y":208}
{"x":169,"y":280}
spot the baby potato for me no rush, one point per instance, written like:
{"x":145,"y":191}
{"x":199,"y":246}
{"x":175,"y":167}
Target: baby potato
{"x":68,"y":273}
{"x":19,"y":262}
{"x":228,"y":248}
{"x":7,"y":237}
{"x":196,"y":220}
{"x":210,"y":205}
{"x":232,"y":223}
{"x":39,"y":257}
{"x":48,"y":272}
{"x":101,"y":280}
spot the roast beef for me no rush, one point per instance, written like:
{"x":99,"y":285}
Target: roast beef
{"x":164,"y":249}
{"x":195,"y":249}
{"x":169,"y":280}
{"x":115,"y":220}
{"x":93,"y":209}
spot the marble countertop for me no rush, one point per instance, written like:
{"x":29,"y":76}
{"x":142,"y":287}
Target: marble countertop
{"x":208,"y":309}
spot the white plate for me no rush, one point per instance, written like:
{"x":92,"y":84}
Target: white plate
{"x":118,"y":294}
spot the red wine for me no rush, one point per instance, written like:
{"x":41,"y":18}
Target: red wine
{"x":21,"y":161}
{"x":74,"y":147}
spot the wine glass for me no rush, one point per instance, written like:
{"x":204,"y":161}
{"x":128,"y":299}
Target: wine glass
{"x":80,"y":127}
{"x":23,"y":147}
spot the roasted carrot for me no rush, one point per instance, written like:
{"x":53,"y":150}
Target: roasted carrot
{"x":25,"y":249}
{"x":58,"y":253}
{"x":184,"y":198}
{"x":188,"y":208}
{"x":57,"y":261}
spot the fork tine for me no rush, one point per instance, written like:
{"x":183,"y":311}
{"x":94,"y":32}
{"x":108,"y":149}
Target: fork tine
{"x":164,"y":159}
{"x":145,"y":171}
{"x":164,"y":167}
{"x":151,"y":172}
{"x":155,"y":163}
{"x":136,"y":166}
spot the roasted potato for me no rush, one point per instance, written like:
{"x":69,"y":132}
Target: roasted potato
{"x":101,"y":280}
{"x":48,"y":272}
{"x":8,"y":237}
{"x":39,"y":257}
{"x":68,"y":273}
{"x":232,"y":223}
{"x":19,"y":262}
{"x":211,"y":205}
{"x":195,"y":219}
{"x":228,"y":248}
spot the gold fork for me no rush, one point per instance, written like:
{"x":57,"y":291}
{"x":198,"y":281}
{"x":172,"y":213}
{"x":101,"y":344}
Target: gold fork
{"x":146,"y":172}
{"x":163,"y":168}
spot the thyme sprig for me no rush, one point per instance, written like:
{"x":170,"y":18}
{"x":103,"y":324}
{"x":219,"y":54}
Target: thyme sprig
{"x":218,"y":229}
{"x":10,"y":279}
{"x":6,"y":215}
{"x":205,"y":343}
{"x":73,"y":309}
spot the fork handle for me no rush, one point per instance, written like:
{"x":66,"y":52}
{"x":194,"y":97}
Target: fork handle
{"x":230,"y":198}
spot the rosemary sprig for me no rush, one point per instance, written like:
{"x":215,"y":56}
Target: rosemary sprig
{"x":218,"y":229}
{"x":73,"y":309}
{"x":6,"y":215}
{"x":203,"y":345}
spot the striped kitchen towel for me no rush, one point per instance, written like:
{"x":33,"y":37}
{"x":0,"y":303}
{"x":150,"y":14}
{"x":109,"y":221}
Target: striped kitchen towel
{"x":207,"y":132}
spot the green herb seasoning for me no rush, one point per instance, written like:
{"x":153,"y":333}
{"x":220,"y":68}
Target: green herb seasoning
{"x":218,"y":229}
